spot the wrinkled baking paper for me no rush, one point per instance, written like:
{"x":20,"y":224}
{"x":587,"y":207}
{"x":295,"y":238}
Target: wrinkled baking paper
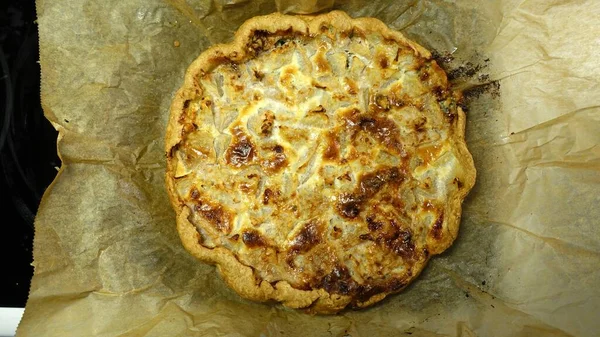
{"x":108,"y":260}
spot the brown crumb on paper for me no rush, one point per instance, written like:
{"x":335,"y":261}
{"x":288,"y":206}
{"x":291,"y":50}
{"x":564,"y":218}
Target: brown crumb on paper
{"x":176,"y":43}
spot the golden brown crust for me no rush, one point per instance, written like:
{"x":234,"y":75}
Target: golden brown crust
{"x":338,"y":288}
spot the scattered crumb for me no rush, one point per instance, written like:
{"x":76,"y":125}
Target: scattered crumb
{"x":176,"y":43}
{"x":442,"y":59}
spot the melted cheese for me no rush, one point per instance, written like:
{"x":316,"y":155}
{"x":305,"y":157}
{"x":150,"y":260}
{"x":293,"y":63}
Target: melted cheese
{"x":324,"y":162}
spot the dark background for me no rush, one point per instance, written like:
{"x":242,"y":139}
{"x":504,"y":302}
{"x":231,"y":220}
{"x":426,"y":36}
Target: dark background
{"x":28,"y":159}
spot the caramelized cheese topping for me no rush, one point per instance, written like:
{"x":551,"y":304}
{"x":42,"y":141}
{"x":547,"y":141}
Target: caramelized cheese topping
{"x":323,"y":161}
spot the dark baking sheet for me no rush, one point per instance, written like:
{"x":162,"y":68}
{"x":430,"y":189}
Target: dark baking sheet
{"x":27,"y":147}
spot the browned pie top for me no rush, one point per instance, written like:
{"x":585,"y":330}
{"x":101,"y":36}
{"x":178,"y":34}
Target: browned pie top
{"x":324,"y":156}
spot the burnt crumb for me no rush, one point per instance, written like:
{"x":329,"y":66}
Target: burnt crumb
{"x":483,"y":282}
{"x":278,"y":148}
{"x":467,"y":295}
{"x":252,"y":239}
{"x":442,"y":59}
{"x":186,"y":104}
{"x":492,"y":88}
{"x":483,"y":78}
{"x":467,"y":70}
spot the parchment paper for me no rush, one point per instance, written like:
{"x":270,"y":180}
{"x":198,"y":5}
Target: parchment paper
{"x":108,"y":261}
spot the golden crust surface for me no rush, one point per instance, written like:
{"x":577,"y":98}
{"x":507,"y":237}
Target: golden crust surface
{"x":318,"y":161}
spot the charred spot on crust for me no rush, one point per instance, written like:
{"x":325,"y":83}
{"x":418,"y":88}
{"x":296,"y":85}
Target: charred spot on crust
{"x":448,"y":108}
{"x":371,"y":183}
{"x":338,"y":281}
{"x":276,"y":162}
{"x":419,"y":124}
{"x":381,"y":102}
{"x":458,"y":183}
{"x":319,"y":108}
{"x":332,"y":151}
{"x":384,"y":130}
{"x":440,"y":93}
{"x":266,"y":128}
{"x":186,"y":104}
{"x":365,"y":237}
{"x":428,"y":206}
{"x":383,"y":61}
{"x":308,"y":237}
{"x":372,"y":224}
{"x":253,"y":239}
{"x":349,"y":205}
{"x":268,"y":195}
{"x":436,"y":229}
{"x":258,"y":74}
{"x":194,"y":194}
{"x":258,"y":41}
{"x":235,"y":237}
{"x":241,"y":152}
{"x":394,"y":238}
{"x":215,"y":215}
{"x":400,"y":242}
{"x":322,"y":63}
{"x":345,"y":176}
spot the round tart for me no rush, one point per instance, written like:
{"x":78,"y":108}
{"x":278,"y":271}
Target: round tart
{"x":317,"y":161}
